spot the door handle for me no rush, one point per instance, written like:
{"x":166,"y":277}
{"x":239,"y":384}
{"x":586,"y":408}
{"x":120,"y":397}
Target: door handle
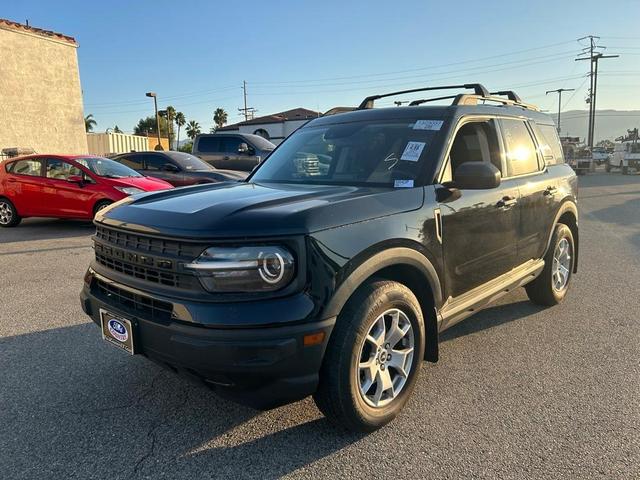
{"x":11,"y":180}
{"x":550,"y":191}
{"x":226,"y":158}
{"x":506,"y":202}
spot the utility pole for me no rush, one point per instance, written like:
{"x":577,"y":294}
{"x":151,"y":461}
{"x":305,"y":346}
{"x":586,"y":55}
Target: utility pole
{"x":246,"y":111}
{"x":559,"y":92}
{"x":593,"y":58}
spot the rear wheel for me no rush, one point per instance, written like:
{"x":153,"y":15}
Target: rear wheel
{"x":8,"y":214}
{"x":100,"y":205}
{"x":552,"y":284}
{"x":373,"y":358}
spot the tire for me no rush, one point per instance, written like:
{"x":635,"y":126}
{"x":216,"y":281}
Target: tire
{"x":100,"y":205}
{"x":372,"y":307}
{"x":544,"y":290}
{"x":607,"y":167}
{"x":625,"y":170}
{"x":8,"y":214}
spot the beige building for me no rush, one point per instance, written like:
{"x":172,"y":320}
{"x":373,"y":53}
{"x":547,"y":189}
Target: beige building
{"x":40,"y":93}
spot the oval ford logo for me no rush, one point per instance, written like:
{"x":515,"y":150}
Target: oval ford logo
{"x":117,"y":330}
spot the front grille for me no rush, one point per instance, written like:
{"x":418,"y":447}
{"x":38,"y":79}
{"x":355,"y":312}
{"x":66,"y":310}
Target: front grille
{"x":156,"y":276}
{"x":133,"y":303}
{"x":153,"y":260}
{"x":147,"y":244}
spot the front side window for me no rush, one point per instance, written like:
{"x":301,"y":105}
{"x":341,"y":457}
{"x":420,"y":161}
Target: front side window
{"x":231,"y":144}
{"x":383,"y":153}
{"x":31,"y":167}
{"x":61,"y":170}
{"x":521,"y":154}
{"x":475,"y":141}
{"x":155,"y":162}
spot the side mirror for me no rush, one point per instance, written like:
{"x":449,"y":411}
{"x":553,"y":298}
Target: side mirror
{"x":476,"y":176}
{"x":170,"y":167}
{"x":243,"y":148}
{"x":75,"y":179}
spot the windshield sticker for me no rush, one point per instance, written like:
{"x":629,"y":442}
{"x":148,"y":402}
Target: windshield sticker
{"x":428,"y":124}
{"x":412,"y":151}
{"x":403,"y":184}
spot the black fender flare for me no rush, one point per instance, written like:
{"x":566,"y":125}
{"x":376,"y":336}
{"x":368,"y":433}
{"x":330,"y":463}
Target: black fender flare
{"x":568,"y":205}
{"x":375,"y":263}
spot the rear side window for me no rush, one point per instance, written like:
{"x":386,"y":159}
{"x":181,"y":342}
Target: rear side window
{"x":131,"y":161}
{"x":209,"y":144}
{"x":550,"y":146}
{"x":32,"y":167}
{"x":521,"y":154}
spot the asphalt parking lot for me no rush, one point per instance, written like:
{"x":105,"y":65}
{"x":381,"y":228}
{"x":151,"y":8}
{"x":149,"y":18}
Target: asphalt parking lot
{"x":519,"y":392}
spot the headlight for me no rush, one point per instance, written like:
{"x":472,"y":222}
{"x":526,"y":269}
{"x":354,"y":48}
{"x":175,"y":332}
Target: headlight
{"x":244,"y":269}
{"x":129,"y":190}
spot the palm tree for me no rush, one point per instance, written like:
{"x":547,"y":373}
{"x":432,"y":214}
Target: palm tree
{"x":180,"y":121}
{"x":193,"y":129}
{"x":171,"y":115}
{"x":220,"y":117}
{"x":89,"y":123}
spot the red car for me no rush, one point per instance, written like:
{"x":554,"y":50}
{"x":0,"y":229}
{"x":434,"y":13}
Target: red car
{"x":66,"y":186}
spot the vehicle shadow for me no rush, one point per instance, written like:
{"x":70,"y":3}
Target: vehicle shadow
{"x":46,"y":229}
{"x":75,"y":406}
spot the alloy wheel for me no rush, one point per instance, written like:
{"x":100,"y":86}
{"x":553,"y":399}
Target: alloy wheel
{"x":385,"y":358}
{"x":561,"y":268}
{"x":6,"y":213}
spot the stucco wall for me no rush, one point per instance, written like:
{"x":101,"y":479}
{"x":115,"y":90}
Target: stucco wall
{"x":40,"y":94}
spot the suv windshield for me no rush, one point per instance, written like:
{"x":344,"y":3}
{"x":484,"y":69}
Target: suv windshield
{"x":103,"y":167}
{"x":190,"y":162}
{"x":382,"y":153}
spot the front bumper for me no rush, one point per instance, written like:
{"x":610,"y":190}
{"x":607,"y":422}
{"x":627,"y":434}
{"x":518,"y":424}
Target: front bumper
{"x":262,"y":367}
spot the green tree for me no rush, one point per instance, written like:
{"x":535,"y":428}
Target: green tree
{"x":147,"y":126}
{"x":220,"y":117}
{"x":605,"y":144}
{"x":116,"y":129}
{"x":193,"y":129}
{"x":180,"y":122}
{"x":186,"y":148}
{"x":89,"y":123}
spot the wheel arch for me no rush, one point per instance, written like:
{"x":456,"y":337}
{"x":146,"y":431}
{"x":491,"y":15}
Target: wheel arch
{"x":403,"y":265}
{"x":98,"y":202}
{"x":568,"y":215}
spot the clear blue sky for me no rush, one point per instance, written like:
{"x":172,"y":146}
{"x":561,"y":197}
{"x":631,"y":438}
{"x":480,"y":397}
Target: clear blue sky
{"x":319,"y":54}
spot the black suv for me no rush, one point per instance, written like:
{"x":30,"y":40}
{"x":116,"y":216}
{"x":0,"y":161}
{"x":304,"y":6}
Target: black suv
{"x":333,"y":268}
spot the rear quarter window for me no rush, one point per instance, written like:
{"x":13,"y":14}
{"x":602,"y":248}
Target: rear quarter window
{"x":208,"y":145}
{"x":32,"y":168}
{"x":550,"y":146}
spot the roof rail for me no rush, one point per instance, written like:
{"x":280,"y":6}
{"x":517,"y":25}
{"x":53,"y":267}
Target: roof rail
{"x":510,"y":94}
{"x":478,"y":88}
{"x":474,"y":99}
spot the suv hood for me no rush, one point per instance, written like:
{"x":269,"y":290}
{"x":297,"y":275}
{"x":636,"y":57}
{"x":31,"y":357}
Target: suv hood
{"x":232,"y":209}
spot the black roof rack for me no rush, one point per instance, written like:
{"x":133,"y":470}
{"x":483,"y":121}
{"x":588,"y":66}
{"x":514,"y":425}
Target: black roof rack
{"x":479,"y":90}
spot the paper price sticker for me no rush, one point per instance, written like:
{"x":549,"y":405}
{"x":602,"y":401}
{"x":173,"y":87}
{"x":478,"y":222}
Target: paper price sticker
{"x":428,"y":125}
{"x":412,"y":151}
{"x":403,"y":184}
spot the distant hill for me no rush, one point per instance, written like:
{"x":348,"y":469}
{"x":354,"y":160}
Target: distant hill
{"x":609,"y":123}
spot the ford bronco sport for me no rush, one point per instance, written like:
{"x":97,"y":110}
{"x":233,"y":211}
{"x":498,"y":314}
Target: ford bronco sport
{"x":332,"y":269}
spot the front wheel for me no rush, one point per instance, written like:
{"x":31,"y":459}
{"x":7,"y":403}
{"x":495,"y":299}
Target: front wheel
{"x":8,"y":214}
{"x":550,"y":287}
{"x":100,"y":205}
{"x":373,"y":358}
